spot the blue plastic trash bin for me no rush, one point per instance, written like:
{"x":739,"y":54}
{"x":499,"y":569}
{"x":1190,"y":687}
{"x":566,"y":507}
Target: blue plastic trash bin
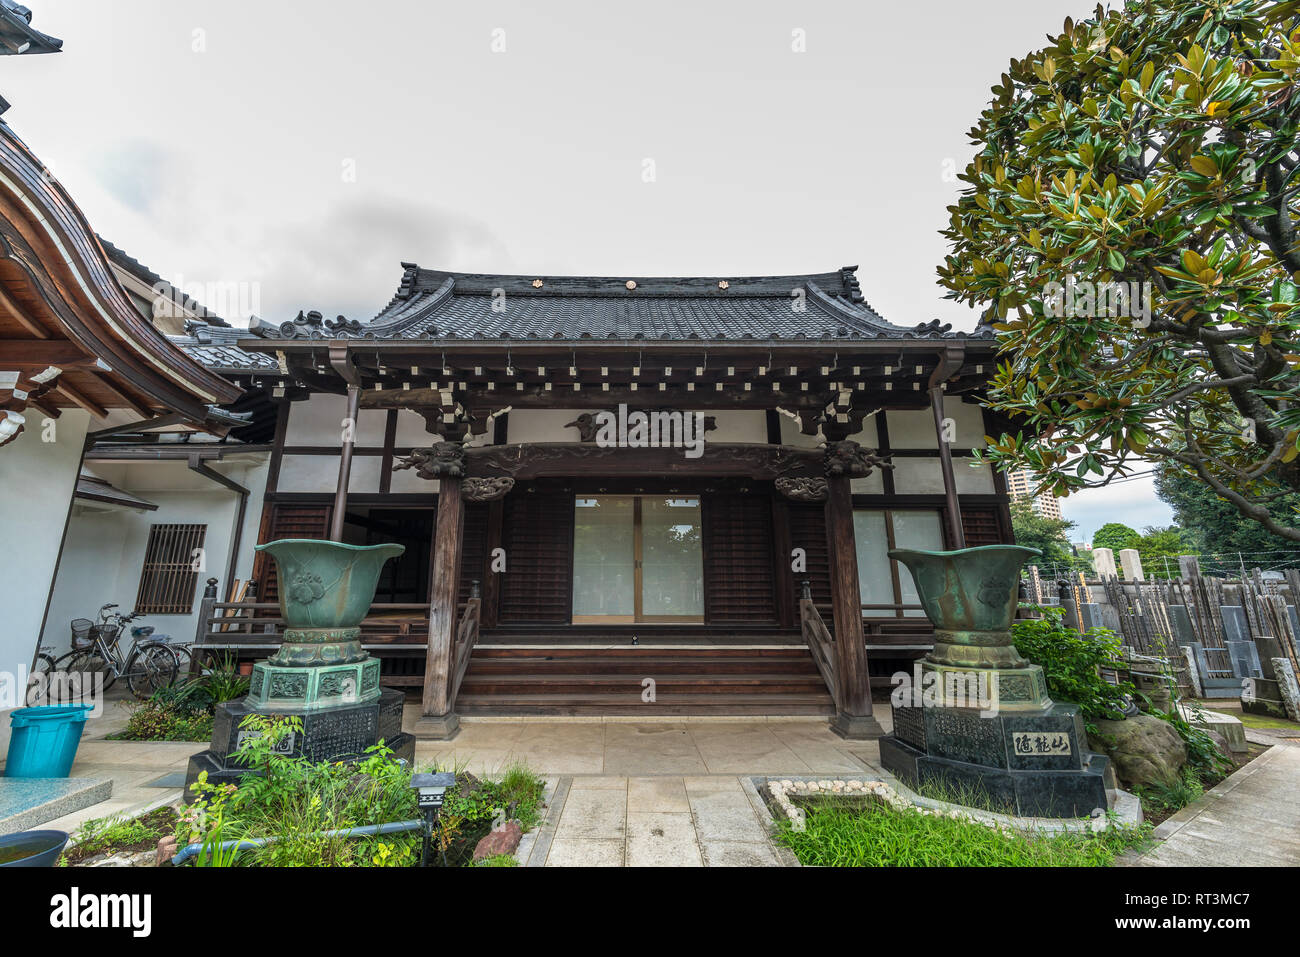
{"x":43,"y":741}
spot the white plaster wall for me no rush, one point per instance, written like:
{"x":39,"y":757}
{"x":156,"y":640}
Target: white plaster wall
{"x":104,"y":554}
{"x":541,"y":425}
{"x":319,"y":421}
{"x":914,"y":428}
{"x":740,"y":426}
{"x":37,"y":479}
{"x":924,"y":476}
{"x":411,"y":432}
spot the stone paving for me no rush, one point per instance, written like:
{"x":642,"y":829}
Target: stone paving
{"x":607,"y":821}
{"x":1251,"y":819}
{"x":622,"y":748}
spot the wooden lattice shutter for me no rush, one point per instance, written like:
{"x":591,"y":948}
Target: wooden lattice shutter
{"x":172,"y":559}
{"x":808,"y":531}
{"x":286,"y":521}
{"x":739,"y":578}
{"x":980,"y":525}
{"x":473,"y":554}
{"x":537,"y":586}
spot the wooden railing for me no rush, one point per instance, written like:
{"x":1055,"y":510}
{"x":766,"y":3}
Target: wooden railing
{"x":466,"y":637}
{"x":251,"y":624}
{"x":818,"y":638}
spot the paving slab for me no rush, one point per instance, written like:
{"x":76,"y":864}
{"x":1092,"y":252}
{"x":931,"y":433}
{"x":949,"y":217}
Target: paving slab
{"x":1251,"y":818}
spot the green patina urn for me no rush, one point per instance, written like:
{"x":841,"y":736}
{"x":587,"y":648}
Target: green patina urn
{"x":970,"y":596}
{"x":326,"y":589}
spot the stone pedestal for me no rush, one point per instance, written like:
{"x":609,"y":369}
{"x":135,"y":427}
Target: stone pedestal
{"x":1028,"y":763}
{"x":339,"y":732}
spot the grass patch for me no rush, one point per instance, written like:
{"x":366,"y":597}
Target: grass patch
{"x":112,"y":835}
{"x":497,"y":860}
{"x":1264,"y":721}
{"x":875,"y":835}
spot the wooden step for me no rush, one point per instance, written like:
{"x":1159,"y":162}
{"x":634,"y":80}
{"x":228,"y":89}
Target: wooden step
{"x":632,"y":684}
{"x":642,"y":667}
{"x":640,"y":651}
{"x":671,"y":705}
{"x":591,"y":681}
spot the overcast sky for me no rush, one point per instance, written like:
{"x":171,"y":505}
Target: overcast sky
{"x":306,"y":148}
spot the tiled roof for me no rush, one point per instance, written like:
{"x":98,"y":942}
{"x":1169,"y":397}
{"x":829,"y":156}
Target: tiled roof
{"x":434,"y":304}
{"x":150,"y":278}
{"x":215,"y":347}
{"x":17,"y":35}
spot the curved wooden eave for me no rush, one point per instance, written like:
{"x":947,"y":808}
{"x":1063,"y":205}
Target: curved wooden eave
{"x":70,"y":273}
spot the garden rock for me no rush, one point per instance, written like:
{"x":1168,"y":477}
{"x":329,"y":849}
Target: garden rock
{"x":165,"y":851}
{"x":137,"y":859}
{"x":503,"y":841}
{"x":1144,"y":749}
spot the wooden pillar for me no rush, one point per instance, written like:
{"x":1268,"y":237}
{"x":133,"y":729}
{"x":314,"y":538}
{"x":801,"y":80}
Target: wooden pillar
{"x":438,"y":720}
{"x":345,"y":464}
{"x":854,"y":718}
{"x":956,"y":534}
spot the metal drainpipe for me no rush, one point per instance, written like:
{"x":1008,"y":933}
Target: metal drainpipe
{"x":197,"y":464}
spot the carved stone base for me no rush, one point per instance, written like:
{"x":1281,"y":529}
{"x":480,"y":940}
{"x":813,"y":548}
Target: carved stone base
{"x":856,"y":727}
{"x":333,"y":734}
{"x":990,"y":688}
{"x":290,"y":689}
{"x":439,"y":727}
{"x":1030,"y":763}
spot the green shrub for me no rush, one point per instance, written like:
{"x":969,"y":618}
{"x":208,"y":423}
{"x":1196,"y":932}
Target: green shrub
{"x":151,"y":722}
{"x":1160,"y":799}
{"x":1203,"y":756}
{"x":293,"y":800}
{"x":1071,"y":663}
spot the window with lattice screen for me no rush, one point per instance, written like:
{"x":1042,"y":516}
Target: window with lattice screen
{"x":172,"y":562}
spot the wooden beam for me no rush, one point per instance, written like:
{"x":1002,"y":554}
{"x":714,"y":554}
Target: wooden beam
{"x":542,"y":459}
{"x":444,"y":585}
{"x":19,"y":315}
{"x":78,"y":398}
{"x":854,"y":718}
{"x":22,"y":353}
{"x":133,"y":404}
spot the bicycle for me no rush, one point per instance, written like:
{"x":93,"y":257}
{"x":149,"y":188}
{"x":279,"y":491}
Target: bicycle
{"x":96,"y":649}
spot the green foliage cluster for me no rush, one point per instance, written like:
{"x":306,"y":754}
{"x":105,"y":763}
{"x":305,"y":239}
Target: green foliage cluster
{"x":1154,"y":146}
{"x":1071,"y":663}
{"x":293,"y":800}
{"x":183,"y":711}
{"x":117,"y":833}
{"x":1115,"y":535}
{"x":838,"y":835}
{"x":1214,"y":525}
{"x":1048,"y":535}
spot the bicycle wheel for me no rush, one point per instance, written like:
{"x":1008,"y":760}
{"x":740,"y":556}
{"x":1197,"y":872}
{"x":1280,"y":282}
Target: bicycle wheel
{"x":88,"y":663}
{"x":151,"y":668}
{"x":38,"y":683}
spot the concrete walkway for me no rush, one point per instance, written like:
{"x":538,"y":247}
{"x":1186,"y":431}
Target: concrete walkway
{"x":653,"y":822}
{"x":1251,"y":819}
{"x":640,"y":748}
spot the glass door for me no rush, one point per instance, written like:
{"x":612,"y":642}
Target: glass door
{"x":637,"y":558}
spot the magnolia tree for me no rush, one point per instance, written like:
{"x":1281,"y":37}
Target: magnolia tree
{"x":1129,"y":226}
